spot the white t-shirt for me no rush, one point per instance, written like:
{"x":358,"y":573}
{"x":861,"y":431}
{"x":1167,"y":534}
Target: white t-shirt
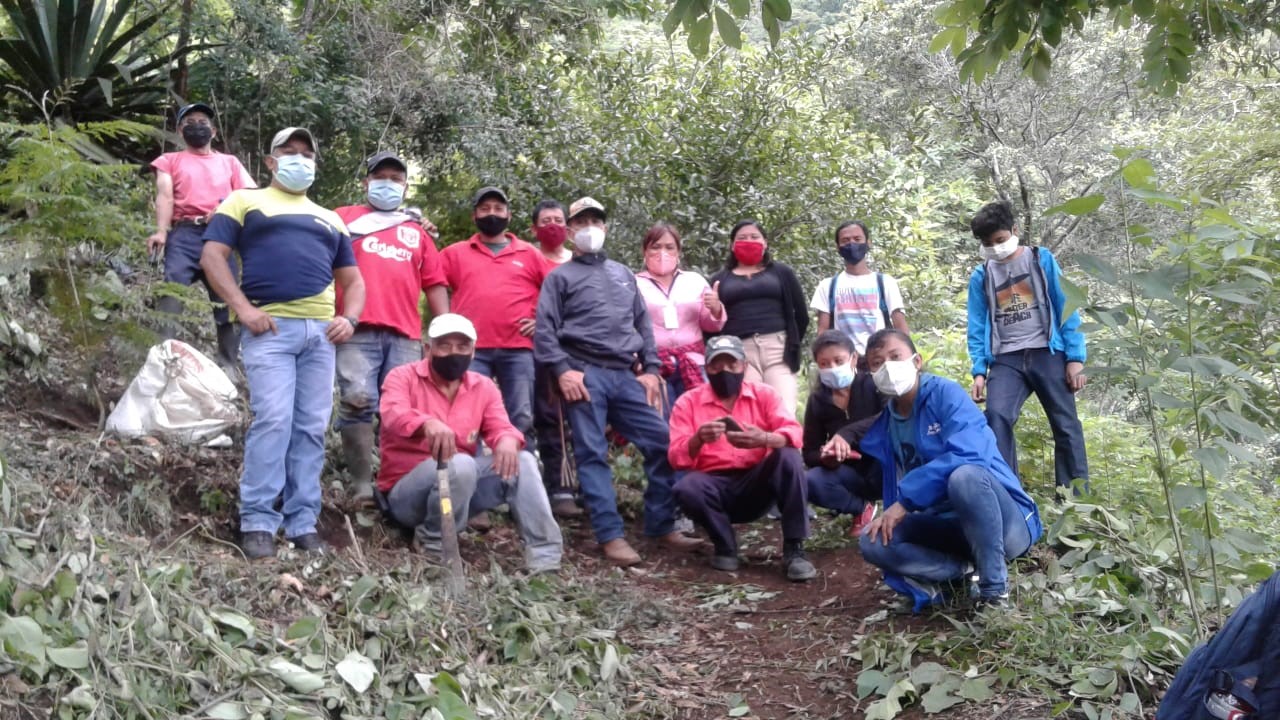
{"x":857,"y":305}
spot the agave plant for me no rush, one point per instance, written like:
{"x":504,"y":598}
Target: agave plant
{"x":82,"y":60}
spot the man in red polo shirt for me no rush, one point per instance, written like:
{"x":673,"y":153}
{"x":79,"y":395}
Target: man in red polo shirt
{"x":435,"y":408}
{"x":495,"y":278}
{"x":741,"y":449}
{"x":399,"y":263}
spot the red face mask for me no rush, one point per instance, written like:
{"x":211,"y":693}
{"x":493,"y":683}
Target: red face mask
{"x":748,"y":252}
{"x":551,"y":237}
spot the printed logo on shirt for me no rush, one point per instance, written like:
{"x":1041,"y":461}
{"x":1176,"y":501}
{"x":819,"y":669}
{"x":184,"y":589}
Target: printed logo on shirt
{"x":934,"y":429}
{"x":1014,"y":300}
{"x":373,"y":246}
{"x":473,"y":437}
{"x":409,"y":237}
{"x":857,"y":310}
{"x":517,"y":263}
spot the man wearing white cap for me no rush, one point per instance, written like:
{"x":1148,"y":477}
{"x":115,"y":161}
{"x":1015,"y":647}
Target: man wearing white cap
{"x":435,"y":408}
{"x":292,"y":251}
{"x":595,"y":335}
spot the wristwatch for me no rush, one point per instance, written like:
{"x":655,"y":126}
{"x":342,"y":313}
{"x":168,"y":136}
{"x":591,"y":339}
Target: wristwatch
{"x":355,"y":323}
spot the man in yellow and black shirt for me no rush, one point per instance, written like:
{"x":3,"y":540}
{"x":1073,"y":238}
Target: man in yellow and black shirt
{"x":292,"y":251}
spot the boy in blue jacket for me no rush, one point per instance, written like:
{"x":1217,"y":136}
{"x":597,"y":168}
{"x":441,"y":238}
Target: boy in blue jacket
{"x":1020,"y":342}
{"x":952,"y":505}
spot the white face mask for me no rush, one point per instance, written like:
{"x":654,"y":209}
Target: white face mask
{"x":895,"y":378}
{"x":999,"y":251}
{"x":589,"y":239}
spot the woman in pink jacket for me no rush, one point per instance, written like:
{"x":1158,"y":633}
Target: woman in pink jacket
{"x":682,"y":306}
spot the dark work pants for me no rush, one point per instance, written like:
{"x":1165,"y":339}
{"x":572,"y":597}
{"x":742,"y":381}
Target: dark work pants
{"x":717,"y":501}
{"x":182,"y":249}
{"x":548,"y":414}
{"x":1011,"y":378}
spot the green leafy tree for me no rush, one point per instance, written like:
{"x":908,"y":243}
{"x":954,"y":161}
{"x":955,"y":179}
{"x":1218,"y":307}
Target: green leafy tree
{"x":85,"y":60}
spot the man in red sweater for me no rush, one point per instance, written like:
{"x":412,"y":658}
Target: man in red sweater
{"x":399,"y":262}
{"x":740,"y":449}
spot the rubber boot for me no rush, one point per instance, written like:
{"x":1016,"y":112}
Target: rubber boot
{"x":357,"y":448}
{"x":168,"y":326}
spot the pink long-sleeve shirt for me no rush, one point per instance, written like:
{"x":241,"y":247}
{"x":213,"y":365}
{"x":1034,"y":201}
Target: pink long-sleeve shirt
{"x":691,"y":317}
{"x":410,"y":399}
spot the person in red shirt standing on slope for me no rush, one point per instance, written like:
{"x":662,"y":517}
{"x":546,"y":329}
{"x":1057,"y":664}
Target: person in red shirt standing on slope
{"x":399,"y":262}
{"x":190,"y":184}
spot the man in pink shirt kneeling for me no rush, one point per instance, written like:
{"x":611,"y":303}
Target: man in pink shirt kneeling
{"x":436,"y":408}
{"x":740,"y":448}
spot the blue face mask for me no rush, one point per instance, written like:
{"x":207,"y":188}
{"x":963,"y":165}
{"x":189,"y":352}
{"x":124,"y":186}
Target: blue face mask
{"x":385,"y":194}
{"x":836,"y":378}
{"x":295,"y":172}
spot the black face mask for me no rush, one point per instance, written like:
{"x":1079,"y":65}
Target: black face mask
{"x":450,"y":367}
{"x":197,"y":136}
{"x":492,"y":225}
{"x":853,"y":253}
{"x":725,"y":384}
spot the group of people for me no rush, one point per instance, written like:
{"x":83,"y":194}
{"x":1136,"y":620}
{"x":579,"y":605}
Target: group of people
{"x":545,"y":345}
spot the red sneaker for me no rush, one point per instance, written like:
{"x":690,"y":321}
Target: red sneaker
{"x":863,"y":520}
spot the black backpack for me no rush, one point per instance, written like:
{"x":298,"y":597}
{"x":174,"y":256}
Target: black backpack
{"x":1241,"y":660}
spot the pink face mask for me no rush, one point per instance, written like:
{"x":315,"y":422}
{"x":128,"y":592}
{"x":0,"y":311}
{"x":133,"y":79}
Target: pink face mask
{"x":664,"y":263}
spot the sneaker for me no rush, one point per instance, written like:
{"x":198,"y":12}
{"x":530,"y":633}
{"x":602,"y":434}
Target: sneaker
{"x":726,"y":563}
{"x":480,"y":522}
{"x":308,"y":542}
{"x":994,"y":602}
{"x":799,"y":569}
{"x":564,"y":506}
{"x":258,"y":545}
{"x":864,"y":519}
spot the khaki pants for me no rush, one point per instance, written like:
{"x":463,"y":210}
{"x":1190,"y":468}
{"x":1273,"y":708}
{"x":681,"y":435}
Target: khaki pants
{"x":766,"y":363}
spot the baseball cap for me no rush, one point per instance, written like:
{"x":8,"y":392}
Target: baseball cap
{"x":489,"y":191}
{"x":725,"y":345}
{"x":381,"y":158}
{"x":450,"y":324}
{"x":289,"y":133}
{"x":585,"y":204}
{"x":195,"y":107}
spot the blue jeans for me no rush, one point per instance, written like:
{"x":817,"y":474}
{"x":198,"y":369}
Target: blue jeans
{"x":362,"y":364}
{"x":985,"y":528}
{"x":618,"y":399}
{"x":512,"y":369}
{"x":843,"y":488}
{"x":290,"y":375}
{"x":1011,"y":378}
{"x":475,"y":488}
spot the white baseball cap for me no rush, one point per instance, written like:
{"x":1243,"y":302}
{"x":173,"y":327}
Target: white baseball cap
{"x":290,"y":133}
{"x":449,"y":324}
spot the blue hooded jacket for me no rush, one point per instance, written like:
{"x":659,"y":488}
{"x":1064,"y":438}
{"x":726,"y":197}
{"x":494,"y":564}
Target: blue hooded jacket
{"x":950,"y":431}
{"x":1064,"y":333}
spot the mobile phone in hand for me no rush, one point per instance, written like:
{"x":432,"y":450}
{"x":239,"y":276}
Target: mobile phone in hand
{"x":731,"y":424}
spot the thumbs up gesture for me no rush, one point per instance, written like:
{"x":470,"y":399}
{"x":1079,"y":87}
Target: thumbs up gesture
{"x":711,"y":301}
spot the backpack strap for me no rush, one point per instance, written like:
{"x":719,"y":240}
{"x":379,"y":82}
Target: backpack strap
{"x":884,"y":304}
{"x":831,"y":299}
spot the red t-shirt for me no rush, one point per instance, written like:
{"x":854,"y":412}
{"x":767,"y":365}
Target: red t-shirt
{"x":201,"y":182}
{"x":495,"y":292}
{"x":397,"y":262}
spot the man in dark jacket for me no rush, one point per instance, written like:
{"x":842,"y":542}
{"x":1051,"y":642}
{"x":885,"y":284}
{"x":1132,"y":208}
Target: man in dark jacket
{"x":594,"y":333}
{"x":837,"y":415}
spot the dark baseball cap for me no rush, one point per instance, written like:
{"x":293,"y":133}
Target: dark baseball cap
{"x":196,"y":107}
{"x":487,"y":192}
{"x":725,"y":345}
{"x":383,"y":158}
